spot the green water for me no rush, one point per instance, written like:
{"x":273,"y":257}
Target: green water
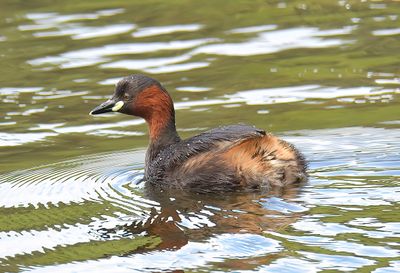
{"x":323,"y":75}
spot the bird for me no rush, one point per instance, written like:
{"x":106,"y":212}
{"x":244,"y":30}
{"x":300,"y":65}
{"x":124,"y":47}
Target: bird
{"x":235,"y":157}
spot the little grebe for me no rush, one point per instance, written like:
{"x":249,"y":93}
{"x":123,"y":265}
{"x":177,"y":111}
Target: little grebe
{"x":225,"y":158}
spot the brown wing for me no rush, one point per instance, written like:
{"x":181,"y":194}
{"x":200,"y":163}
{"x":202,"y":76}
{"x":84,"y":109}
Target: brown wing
{"x":266,"y":161}
{"x":210,"y":141}
{"x":258,"y":161}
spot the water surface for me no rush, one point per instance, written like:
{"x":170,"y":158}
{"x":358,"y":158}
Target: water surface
{"x":321,"y":74}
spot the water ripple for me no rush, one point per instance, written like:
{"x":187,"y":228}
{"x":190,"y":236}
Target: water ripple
{"x":91,"y":56}
{"x":15,"y":139}
{"x":75,"y":181}
{"x":191,"y":256}
{"x":54,"y":19}
{"x":252,"y":29}
{"x":296,"y":64}
{"x":386,"y":32}
{"x":279,"y":40}
{"x":343,"y":246}
{"x":127,"y":210}
{"x":294,"y":94}
{"x":159,"y":30}
{"x":79,"y":32}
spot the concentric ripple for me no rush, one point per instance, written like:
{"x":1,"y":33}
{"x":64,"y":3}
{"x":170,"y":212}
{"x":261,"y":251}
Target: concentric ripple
{"x":324,"y":74}
{"x":101,"y":213}
{"x":90,"y":178}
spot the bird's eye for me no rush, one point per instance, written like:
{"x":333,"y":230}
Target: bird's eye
{"x":126,"y":96}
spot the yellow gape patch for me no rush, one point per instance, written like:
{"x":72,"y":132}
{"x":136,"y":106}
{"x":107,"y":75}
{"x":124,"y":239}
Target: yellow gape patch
{"x":117,"y":106}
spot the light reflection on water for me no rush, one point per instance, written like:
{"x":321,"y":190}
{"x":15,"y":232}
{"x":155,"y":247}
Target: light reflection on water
{"x":266,"y":43}
{"x":197,"y":231}
{"x":92,"y":56}
{"x":324,"y":76}
{"x":249,"y":97}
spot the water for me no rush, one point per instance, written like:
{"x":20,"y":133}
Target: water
{"x":321,"y":74}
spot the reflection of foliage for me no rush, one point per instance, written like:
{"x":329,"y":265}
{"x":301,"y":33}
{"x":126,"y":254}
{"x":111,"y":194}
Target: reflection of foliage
{"x":86,"y":251}
{"x":21,"y":218}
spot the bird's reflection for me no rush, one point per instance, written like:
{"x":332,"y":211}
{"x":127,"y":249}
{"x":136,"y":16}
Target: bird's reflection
{"x":183,"y":216}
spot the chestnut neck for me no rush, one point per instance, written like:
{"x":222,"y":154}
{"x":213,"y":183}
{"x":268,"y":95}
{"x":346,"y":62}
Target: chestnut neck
{"x":162,"y":134}
{"x":156,"y":107}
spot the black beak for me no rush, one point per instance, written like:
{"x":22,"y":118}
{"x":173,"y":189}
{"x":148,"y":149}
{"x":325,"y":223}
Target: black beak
{"x":103,"y":108}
